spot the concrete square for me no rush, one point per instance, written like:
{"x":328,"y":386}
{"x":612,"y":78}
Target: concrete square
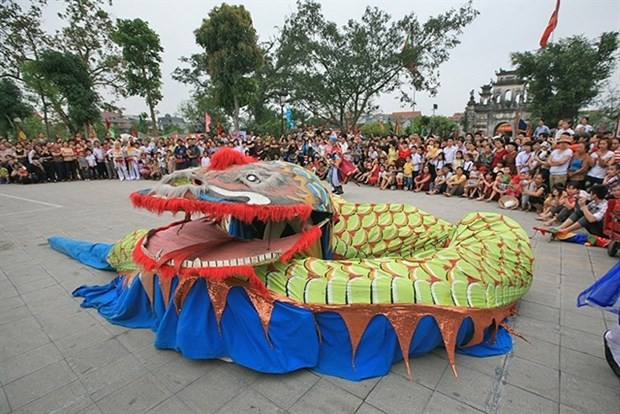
{"x":395,"y":393}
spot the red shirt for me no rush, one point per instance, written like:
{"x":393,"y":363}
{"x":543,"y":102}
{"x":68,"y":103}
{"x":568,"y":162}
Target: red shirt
{"x":498,"y":156}
{"x":404,"y":153}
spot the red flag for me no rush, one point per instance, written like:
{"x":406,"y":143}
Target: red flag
{"x":107,"y":124}
{"x":553,"y":22}
{"x":207,"y":122}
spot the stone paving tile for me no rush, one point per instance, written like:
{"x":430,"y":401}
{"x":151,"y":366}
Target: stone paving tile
{"x":72,"y":398}
{"x":587,"y":395}
{"x":587,"y":366}
{"x":251,"y":402}
{"x":105,"y":380}
{"x":180,"y":372}
{"x":4,"y":403}
{"x":28,"y":362}
{"x":471,"y":387}
{"x":139,"y":396}
{"x":216,"y":388}
{"x":395,"y":392}
{"x":534,"y":378}
{"x":284,"y":390}
{"x":20,"y":337}
{"x":38,"y":383}
{"x":171,"y":405}
{"x":40,"y":324}
{"x":515,"y":400}
{"x":442,"y":404}
{"x":323,"y":397}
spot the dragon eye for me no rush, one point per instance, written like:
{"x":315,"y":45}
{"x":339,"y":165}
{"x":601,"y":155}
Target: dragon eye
{"x":252,"y":178}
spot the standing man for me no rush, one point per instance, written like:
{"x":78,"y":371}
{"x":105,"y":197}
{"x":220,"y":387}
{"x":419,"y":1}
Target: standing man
{"x":559,"y":161}
{"x":541,"y":129}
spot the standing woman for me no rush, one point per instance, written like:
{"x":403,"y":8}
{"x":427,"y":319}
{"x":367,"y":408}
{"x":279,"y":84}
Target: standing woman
{"x":133,"y":154}
{"x":599,"y":161}
{"x":118,"y":157}
{"x":59,"y":166}
{"x":68,"y":161}
{"x":47,"y":160}
{"x":579,"y":165}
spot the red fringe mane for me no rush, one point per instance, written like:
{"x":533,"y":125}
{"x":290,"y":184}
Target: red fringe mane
{"x":305,"y":242}
{"x":243,"y":212}
{"x":227,"y":157}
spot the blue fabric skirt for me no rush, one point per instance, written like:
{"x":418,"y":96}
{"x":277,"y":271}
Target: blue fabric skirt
{"x":604,"y":293}
{"x":295,"y":342}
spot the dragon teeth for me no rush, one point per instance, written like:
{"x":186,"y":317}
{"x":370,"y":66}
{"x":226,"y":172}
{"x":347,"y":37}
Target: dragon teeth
{"x":158,"y":255}
{"x":197,"y":263}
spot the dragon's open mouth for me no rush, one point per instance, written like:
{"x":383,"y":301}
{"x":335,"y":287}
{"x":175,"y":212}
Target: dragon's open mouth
{"x":204,"y":242}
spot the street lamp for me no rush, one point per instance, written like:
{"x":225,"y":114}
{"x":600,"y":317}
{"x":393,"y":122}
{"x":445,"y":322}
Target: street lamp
{"x":282,"y":94}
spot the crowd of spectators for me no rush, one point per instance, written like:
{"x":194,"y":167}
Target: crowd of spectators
{"x":564,"y":174}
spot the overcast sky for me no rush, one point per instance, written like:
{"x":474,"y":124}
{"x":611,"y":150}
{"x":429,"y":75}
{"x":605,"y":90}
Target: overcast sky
{"x":503,"y":26}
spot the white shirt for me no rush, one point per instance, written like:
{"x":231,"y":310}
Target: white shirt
{"x":205,"y":162}
{"x":98,"y":153}
{"x":556,"y":155}
{"x":597,"y":171}
{"x":416,"y":160}
{"x":522,"y":161}
{"x":450,"y":153}
{"x":562,"y":130}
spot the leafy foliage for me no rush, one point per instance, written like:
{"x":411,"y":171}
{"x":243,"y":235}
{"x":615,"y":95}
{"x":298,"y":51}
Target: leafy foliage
{"x":141,"y":60}
{"x":375,"y":129}
{"x":68,"y":75}
{"x":88,"y":34}
{"x":335,"y":72}
{"x":437,"y":125}
{"x":231,"y":54}
{"x":566,"y":76}
{"x":12,"y":105}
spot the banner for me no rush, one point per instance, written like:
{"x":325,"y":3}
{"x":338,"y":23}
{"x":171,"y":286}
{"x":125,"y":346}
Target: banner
{"x":207,"y":122}
{"x":289,"y":118}
{"x":551,"y":25}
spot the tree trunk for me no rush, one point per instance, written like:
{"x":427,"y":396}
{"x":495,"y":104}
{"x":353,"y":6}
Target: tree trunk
{"x":152,"y":110}
{"x":45,"y":118}
{"x":236,"y":113}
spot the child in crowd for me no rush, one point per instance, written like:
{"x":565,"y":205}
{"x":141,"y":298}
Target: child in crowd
{"x":485,"y":187}
{"x":527,"y":185}
{"x":552,"y":201}
{"x":468,"y":165}
{"x":83,"y":165}
{"x":388,"y":178}
{"x":514,"y":188}
{"x":458,"y":161}
{"x":400,"y":177}
{"x":92,"y":164}
{"x":472,"y":182}
{"x":568,"y":201}
{"x":408,"y":174}
{"x":612,"y":178}
{"x":500,"y":185}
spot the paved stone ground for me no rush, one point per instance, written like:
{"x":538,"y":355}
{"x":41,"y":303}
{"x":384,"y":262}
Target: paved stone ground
{"x":58,"y":357}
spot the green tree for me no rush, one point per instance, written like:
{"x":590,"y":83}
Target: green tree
{"x":336,"y":72}
{"x":231,"y":55}
{"x":141,"y":61}
{"x":21,"y":41}
{"x":87,"y":33}
{"x":68,"y":75}
{"x":437,"y":125}
{"x":12,"y":105}
{"x":566,"y":75}
{"x":375,"y":129}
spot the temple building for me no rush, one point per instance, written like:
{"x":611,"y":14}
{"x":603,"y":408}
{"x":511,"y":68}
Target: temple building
{"x":500,"y":107}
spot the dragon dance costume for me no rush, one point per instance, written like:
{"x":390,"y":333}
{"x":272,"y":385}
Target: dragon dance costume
{"x":270,"y":270}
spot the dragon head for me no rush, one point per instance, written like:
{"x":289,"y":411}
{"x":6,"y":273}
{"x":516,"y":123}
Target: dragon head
{"x":239,"y":213}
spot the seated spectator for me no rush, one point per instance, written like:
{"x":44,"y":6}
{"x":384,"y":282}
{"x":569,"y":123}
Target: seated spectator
{"x":588,"y":215}
{"x":536,"y":197}
{"x":438,"y":183}
{"x":423,"y":180}
{"x":612,"y":178}
{"x":456,"y":183}
{"x":565,"y":208}
{"x":599,"y":160}
{"x":552,"y":201}
{"x":500,"y":185}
